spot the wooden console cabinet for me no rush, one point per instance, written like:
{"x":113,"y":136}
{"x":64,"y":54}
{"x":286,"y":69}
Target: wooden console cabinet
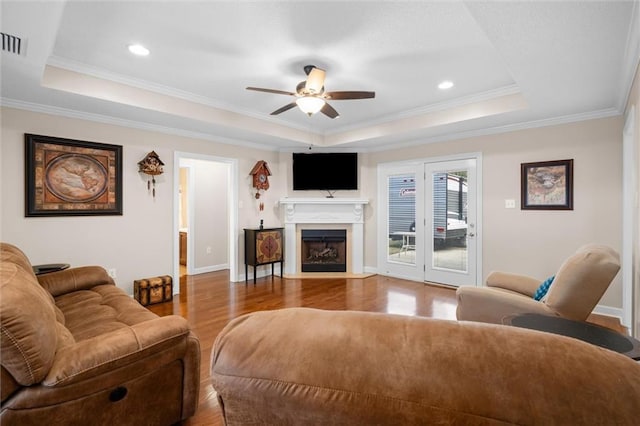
{"x":263,"y":247}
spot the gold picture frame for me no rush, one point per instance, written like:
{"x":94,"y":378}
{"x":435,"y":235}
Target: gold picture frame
{"x":67,"y":177}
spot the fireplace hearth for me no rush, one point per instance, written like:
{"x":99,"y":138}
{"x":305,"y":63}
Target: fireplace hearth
{"x":324,"y":250}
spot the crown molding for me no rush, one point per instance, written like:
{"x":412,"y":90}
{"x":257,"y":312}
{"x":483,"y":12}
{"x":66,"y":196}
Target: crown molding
{"x":547,"y":122}
{"x":432,"y":108}
{"x":82,"y":68}
{"x":99,"y":118}
{"x":69,"y":113}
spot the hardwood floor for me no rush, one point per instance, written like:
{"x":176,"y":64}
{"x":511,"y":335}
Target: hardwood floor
{"x":209,"y":301}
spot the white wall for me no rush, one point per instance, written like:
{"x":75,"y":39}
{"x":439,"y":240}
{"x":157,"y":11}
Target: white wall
{"x":526,"y":241}
{"x":208,"y":190}
{"x":139,"y":243}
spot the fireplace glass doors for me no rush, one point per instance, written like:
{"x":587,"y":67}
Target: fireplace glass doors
{"x":324,"y":250}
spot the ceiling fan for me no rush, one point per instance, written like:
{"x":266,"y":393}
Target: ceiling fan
{"x":311,"y":96}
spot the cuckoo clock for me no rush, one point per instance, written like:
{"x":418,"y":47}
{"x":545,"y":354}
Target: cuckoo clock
{"x":260,"y":173}
{"x":151,"y":165}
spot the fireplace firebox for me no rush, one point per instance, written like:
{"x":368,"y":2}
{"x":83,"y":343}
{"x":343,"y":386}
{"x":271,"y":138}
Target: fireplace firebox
{"x":324,"y":250}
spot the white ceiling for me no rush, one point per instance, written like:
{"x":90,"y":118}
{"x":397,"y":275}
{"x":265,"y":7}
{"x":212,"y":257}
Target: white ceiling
{"x":514,"y":64}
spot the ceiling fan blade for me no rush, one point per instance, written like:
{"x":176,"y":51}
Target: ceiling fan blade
{"x":329,"y":111}
{"x":277,"y":92}
{"x":350,"y":95}
{"x":287,"y":107}
{"x":315,"y":81}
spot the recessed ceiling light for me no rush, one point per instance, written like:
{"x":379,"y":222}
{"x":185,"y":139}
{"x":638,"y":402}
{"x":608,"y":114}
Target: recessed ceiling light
{"x":138,"y":49}
{"x":445,"y":85}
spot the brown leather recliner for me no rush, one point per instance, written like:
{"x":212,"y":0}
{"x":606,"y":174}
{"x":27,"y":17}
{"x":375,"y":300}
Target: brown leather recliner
{"x":576,"y":289}
{"x":77,"y":350}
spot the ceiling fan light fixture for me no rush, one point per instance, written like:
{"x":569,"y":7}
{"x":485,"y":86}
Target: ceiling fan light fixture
{"x":311,"y":97}
{"x":310,"y":104}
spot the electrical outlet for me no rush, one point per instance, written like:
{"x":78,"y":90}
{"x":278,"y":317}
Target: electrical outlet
{"x":208,"y":250}
{"x":112,"y":273}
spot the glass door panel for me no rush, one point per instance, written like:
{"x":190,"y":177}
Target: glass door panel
{"x":401,"y":223}
{"x":450,"y":220}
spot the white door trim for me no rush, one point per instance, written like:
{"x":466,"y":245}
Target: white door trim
{"x":629,"y":226}
{"x":233,"y":213}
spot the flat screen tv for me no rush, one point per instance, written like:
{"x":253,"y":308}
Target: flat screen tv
{"x":325,"y":171}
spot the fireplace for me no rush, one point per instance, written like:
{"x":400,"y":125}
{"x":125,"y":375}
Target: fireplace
{"x":323,"y":250}
{"x":325,"y":213}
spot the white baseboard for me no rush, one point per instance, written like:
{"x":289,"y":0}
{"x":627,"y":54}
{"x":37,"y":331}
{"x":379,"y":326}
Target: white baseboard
{"x":402,"y":277}
{"x":262,"y":271}
{"x":370,"y":270}
{"x":212,"y":268}
{"x":610,"y":312}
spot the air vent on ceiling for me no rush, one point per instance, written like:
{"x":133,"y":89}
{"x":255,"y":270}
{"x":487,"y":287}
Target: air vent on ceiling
{"x":12,"y":44}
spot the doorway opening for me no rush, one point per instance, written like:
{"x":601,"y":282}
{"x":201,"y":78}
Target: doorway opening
{"x":205,"y":215}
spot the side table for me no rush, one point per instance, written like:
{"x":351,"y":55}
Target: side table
{"x":49,"y":267}
{"x":585,"y":331}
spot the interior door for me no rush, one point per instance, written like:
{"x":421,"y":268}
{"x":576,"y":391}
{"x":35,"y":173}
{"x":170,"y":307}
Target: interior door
{"x":451,"y":231}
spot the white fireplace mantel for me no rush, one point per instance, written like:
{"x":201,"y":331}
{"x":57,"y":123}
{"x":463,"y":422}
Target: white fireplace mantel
{"x":324,"y":211}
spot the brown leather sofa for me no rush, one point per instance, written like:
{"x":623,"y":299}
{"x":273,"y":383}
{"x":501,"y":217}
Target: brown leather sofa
{"x":311,"y":367}
{"x":77,"y":350}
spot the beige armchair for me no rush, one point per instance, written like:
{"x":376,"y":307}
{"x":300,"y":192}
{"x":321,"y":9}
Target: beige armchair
{"x":578,"y":286}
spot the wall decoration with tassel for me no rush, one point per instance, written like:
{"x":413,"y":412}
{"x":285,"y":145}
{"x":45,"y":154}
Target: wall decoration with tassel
{"x":260,"y":173}
{"x":151,"y":165}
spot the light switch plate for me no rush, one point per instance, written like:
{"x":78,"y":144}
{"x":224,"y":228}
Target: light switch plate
{"x":509,"y":204}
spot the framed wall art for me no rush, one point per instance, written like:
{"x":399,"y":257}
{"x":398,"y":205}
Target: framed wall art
{"x":66,"y":177}
{"x":547,"y":185}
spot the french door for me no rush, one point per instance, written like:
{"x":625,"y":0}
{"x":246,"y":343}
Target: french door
{"x":428,"y":224}
{"x":451,"y":231}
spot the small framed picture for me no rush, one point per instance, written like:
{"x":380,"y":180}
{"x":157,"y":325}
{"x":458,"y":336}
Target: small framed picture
{"x":66,"y":177}
{"x":547,"y":185}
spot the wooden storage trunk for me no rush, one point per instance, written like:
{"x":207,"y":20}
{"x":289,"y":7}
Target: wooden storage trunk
{"x":148,"y":291}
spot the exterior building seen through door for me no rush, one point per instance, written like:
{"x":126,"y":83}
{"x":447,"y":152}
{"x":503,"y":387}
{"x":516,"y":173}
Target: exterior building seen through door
{"x":402,"y":218}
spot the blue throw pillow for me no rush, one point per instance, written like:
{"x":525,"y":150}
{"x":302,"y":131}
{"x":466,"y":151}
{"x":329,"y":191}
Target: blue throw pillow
{"x":543,"y":289}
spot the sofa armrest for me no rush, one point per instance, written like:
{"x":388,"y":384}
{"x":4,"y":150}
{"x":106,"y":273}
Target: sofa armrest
{"x":514,"y":282}
{"x":493,"y":304}
{"x":74,"y":279}
{"x":95,"y":356}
